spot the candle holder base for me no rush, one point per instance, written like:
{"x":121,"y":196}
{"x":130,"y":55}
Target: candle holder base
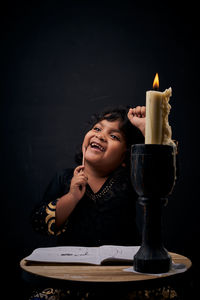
{"x":144,"y":264}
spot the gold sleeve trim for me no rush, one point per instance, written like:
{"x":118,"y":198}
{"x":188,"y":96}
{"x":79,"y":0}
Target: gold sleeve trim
{"x":51,"y":218}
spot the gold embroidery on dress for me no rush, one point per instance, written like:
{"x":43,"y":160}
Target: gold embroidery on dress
{"x":96,"y":196}
{"x":50,"y":219}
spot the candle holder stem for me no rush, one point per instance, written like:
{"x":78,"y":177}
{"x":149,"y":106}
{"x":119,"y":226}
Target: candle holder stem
{"x":152,"y":257}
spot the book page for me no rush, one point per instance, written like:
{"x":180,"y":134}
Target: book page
{"x":88,"y":255}
{"x":119,"y":253}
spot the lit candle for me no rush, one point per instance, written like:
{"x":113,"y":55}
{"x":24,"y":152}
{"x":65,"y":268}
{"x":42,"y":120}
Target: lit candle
{"x":157,"y":129}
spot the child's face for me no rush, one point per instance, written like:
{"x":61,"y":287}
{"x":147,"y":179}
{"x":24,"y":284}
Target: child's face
{"x":105,"y":145}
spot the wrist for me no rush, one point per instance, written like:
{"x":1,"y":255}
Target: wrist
{"x":72,"y":197}
{"x":142,"y":129}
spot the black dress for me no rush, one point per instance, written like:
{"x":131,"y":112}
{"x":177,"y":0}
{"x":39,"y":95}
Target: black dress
{"x":105,"y":217}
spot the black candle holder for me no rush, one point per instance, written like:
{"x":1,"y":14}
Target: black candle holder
{"x":153,"y":178}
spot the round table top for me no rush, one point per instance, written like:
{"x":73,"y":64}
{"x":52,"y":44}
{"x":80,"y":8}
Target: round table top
{"x":93,"y":273}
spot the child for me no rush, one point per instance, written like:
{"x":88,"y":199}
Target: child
{"x":94,"y":204}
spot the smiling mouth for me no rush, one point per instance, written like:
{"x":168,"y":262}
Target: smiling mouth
{"x":97,"y":146}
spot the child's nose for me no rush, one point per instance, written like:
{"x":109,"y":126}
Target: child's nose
{"x":101,"y":137}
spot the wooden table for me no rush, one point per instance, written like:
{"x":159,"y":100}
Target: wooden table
{"x":92,"y":276}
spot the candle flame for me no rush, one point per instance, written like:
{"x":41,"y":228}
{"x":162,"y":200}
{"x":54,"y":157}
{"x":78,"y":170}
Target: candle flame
{"x":156,"y":82}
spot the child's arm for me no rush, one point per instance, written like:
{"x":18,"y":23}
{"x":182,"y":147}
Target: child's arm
{"x":68,"y":202}
{"x":137,"y":117}
{"x":65,"y":189}
{"x":43,"y":215}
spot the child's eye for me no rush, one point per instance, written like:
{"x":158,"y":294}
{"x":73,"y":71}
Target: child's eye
{"x":96,"y":129}
{"x":115,"y":137}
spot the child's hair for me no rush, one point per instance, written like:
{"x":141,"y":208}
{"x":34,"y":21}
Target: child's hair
{"x":131,"y":133}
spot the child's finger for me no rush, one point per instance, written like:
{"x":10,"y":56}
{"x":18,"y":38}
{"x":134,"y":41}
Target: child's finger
{"x":131,"y":113}
{"x":143,"y":111}
{"x":82,"y":176}
{"x":81,"y":181}
{"x":138,"y":110}
{"x":78,"y":169}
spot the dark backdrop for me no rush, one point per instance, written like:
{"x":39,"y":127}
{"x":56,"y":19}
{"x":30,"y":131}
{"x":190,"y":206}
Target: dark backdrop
{"x":62,"y":62}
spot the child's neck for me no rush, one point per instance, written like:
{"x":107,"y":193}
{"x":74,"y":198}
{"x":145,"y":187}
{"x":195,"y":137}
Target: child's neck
{"x":96,"y":178}
{"x":95,"y":172}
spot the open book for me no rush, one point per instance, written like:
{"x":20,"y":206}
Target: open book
{"x":85,"y":255}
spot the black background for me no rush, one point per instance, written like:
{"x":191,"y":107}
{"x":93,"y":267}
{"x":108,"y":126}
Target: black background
{"x":63,"y":61}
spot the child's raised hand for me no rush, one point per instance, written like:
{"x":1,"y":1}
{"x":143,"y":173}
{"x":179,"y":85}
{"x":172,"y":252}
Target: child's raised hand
{"x":78,"y":183}
{"x":137,"y":117}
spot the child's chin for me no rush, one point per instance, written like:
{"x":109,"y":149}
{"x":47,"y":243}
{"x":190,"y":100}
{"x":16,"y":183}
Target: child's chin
{"x":95,"y":159}
{"x":94,"y":155}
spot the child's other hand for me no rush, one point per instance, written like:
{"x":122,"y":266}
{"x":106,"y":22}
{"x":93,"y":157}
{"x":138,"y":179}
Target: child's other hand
{"x":137,"y":117}
{"x":78,"y":183}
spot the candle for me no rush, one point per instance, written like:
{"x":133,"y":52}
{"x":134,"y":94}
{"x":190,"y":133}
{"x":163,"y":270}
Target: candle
{"x":157,"y":130}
